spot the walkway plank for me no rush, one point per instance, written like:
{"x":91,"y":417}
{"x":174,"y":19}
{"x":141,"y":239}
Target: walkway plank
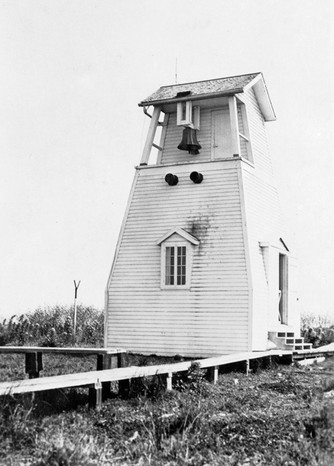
{"x":89,"y":379}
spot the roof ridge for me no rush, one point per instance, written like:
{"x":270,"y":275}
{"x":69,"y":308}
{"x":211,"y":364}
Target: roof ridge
{"x":213,"y":79}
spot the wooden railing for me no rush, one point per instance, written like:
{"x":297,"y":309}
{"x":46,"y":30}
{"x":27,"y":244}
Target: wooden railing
{"x":96,"y":380}
{"x":106,"y":358}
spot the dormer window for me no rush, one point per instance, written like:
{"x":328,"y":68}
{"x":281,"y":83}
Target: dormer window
{"x":188,"y":115}
{"x":176,"y":259}
{"x":175,"y":265}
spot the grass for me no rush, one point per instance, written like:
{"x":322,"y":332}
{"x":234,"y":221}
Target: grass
{"x":283,"y":415}
{"x":279,"y":416}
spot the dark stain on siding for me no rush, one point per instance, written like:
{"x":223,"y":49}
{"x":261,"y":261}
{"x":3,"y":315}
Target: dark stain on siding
{"x":199,"y":226}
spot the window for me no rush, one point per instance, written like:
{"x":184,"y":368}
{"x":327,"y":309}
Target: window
{"x":175,"y":265}
{"x":177,"y":248}
{"x":244,"y":139}
{"x":187,"y":115}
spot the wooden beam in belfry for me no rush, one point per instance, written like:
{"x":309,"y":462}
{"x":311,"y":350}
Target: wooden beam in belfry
{"x":150,"y":136}
{"x":163,"y":137}
{"x":232,"y":103}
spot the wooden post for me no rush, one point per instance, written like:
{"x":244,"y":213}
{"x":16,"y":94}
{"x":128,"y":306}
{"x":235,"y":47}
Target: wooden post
{"x":107,"y":360}
{"x":95,"y":396}
{"x":232,"y":102}
{"x":39,"y":361}
{"x":213,"y":374}
{"x":123,"y":385}
{"x":247,"y":367}
{"x":34,"y":364}
{"x":98,"y":389}
{"x":163,"y":137}
{"x":169,"y":381}
{"x":150,"y":136}
{"x":76,"y":286}
{"x":99,"y":362}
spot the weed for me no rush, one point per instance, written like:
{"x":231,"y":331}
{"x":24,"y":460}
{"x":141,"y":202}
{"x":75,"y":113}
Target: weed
{"x":53,"y":326}
{"x":17,"y":424}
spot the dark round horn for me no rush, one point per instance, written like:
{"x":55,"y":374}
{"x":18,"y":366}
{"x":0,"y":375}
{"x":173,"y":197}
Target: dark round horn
{"x":196,"y":177}
{"x":171,"y":179}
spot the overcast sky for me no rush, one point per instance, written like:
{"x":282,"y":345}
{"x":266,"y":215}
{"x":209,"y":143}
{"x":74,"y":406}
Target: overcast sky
{"x":72,"y":73}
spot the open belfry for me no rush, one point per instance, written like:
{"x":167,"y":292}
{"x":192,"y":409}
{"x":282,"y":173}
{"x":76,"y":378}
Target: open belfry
{"x":202,"y":266}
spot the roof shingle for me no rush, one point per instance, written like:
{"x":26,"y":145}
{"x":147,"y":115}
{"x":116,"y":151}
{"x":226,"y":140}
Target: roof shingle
{"x":201,"y":88}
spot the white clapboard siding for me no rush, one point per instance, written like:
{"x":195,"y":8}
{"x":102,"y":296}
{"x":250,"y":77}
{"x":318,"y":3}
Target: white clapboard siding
{"x":264,"y":224}
{"x":232,"y":301}
{"x":170,"y":152}
{"x":212,"y":316}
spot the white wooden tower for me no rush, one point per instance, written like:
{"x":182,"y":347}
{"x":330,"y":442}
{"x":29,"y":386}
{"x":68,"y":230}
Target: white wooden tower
{"x":202,"y":266}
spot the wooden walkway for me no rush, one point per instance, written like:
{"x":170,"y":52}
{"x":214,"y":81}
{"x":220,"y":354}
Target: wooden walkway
{"x":327,"y":350}
{"x":95,"y":379}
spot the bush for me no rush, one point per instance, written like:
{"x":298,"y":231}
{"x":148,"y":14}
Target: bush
{"x":53,"y":326}
{"x":318,"y":330}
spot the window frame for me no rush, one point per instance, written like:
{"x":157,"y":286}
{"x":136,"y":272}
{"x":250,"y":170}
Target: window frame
{"x":188,"y":261}
{"x":245,"y":136}
{"x":187,"y":114}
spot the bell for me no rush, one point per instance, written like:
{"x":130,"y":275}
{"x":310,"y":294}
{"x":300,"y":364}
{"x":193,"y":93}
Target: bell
{"x":189,"y":141}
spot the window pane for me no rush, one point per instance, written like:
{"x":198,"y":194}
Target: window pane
{"x":181,"y":265}
{"x":170,"y":263}
{"x":184,"y":111}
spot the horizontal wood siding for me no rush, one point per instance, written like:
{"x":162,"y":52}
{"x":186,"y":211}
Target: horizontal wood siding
{"x":264,"y":224}
{"x":211,"y":317}
{"x":170,"y":152}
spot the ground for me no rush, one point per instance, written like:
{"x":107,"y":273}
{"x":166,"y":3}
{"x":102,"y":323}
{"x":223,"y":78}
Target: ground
{"x":281,"y":415}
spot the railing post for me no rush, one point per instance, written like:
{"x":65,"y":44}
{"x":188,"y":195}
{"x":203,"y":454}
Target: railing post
{"x":123,"y":385}
{"x":169,"y":381}
{"x":98,"y":390}
{"x":213,"y":374}
{"x":247,"y":367}
{"x":34,"y":364}
{"x":95,"y":396}
{"x":104,"y":361}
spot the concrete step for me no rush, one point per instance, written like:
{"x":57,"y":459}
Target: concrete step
{"x":287,"y":340}
{"x":285,"y":334}
{"x":294,"y":341}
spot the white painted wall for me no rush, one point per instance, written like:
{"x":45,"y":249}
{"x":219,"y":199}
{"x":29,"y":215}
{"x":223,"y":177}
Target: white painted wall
{"x":265,"y":224}
{"x":212,"y":316}
{"x":233,"y":298}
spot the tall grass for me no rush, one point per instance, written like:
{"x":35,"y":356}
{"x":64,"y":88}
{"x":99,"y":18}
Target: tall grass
{"x":53,"y":326}
{"x":317,"y":329}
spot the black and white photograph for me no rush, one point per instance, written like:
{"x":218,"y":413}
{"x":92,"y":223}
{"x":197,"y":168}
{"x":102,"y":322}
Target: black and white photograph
{"x":166,"y":232}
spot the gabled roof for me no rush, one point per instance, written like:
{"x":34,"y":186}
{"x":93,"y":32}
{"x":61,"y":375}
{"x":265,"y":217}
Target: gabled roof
{"x":180,"y":232}
{"x":214,"y":88}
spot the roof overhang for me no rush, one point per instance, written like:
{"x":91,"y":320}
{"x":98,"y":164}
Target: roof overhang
{"x":190,"y":97}
{"x":257,"y":83}
{"x":259,"y":86}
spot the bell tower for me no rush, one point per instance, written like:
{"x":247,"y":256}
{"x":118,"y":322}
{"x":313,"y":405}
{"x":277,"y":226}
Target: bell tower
{"x":202,"y":266}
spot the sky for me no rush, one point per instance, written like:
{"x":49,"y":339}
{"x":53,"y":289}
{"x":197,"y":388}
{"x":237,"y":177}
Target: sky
{"x":71,"y":132}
